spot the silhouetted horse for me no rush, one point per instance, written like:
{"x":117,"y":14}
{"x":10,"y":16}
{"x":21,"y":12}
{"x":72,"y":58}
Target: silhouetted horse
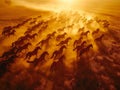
{"x":51,"y":34}
{"x":60,"y":36}
{"x":85,"y":33}
{"x":18,"y":43}
{"x":24,"y":47}
{"x":56,"y":64}
{"x":81,"y":29}
{"x":99,"y":38}
{"x":32,"y":53}
{"x":40,"y":59}
{"x":86,"y":49}
{"x":6,"y":30}
{"x":11,"y":33}
{"x":65,"y":42}
{"x":33,"y":36}
{"x":58,"y":53}
{"x":4,"y":65}
{"x":96,"y":31}
{"x":79,"y":48}
{"x":44,"y":42}
{"x":77,"y":42}
{"x":9,"y":53}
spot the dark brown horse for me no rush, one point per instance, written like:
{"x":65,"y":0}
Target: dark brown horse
{"x":96,"y":31}
{"x":40,"y":59}
{"x":51,"y":34}
{"x":32,"y":53}
{"x":11,"y":33}
{"x":56,"y":64}
{"x":79,"y":48}
{"x":62,"y":36}
{"x":65,"y":42}
{"x":24,"y":47}
{"x":99,"y":38}
{"x":7,"y":30}
{"x":44,"y":41}
{"x":9,"y":53}
{"x":77,"y":42}
{"x":86,"y":49}
{"x":58,"y":53}
{"x":85,"y":33}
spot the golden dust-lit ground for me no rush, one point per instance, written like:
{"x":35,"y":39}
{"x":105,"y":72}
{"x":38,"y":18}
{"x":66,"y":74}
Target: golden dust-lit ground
{"x":22,"y":66}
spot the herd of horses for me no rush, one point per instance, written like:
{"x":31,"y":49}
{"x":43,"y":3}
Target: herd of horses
{"x":62,"y":39}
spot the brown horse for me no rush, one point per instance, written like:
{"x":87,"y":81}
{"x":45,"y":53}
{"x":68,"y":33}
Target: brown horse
{"x":44,"y":42}
{"x":96,"y":31}
{"x":61,"y":36}
{"x":51,"y":34}
{"x":55,"y":65}
{"x":65,"y":42}
{"x":78,"y":48}
{"x":7,"y":30}
{"x":86,"y":49}
{"x":40,"y":59}
{"x":32,"y":53}
{"x":24,"y":47}
{"x":58,"y":53}
{"x":77,"y":42}
{"x":33,"y":36}
{"x":99,"y":38}
{"x":85,"y":33}
{"x":11,"y":33}
{"x":9,"y":53}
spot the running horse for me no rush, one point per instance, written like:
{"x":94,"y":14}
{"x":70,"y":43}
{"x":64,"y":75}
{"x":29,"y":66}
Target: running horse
{"x":56,"y":64}
{"x":51,"y":34}
{"x":58,"y":53}
{"x":40,"y":59}
{"x":44,"y":41}
{"x":86,"y":49}
{"x":65,"y":42}
{"x":77,"y":42}
{"x":24,"y":47}
{"x":61,"y":36}
{"x":32,"y":53}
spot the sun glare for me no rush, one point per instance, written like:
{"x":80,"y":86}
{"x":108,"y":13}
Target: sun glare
{"x":67,"y":1}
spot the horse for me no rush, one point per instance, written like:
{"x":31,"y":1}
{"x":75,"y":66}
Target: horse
{"x":51,"y":34}
{"x":86,"y":49}
{"x":58,"y":53}
{"x":24,"y":47}
{"x":96,"y":31}
{"x":65,"y":42}
{"x":40,"y":59}
{"x":85,"y":33}
{"x":4,"y":65}
{"x":9,"y":53}
{"x":18,"y":43}
{"x":99,"y":38}
{"x":55,"y":65}
{"x":81,"y":29}
{"x":7,"y":30}
{"x":32,"y":53}
{"x":76,"y":42}
{"x":61,"y":36}
{"x":44,"y":42}
{"x":78,"y":48}
{"x":33,"y":36}
{"x":11,"y":33}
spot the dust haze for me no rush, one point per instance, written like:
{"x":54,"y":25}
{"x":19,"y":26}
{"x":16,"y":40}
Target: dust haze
{"x":59,"y":45}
